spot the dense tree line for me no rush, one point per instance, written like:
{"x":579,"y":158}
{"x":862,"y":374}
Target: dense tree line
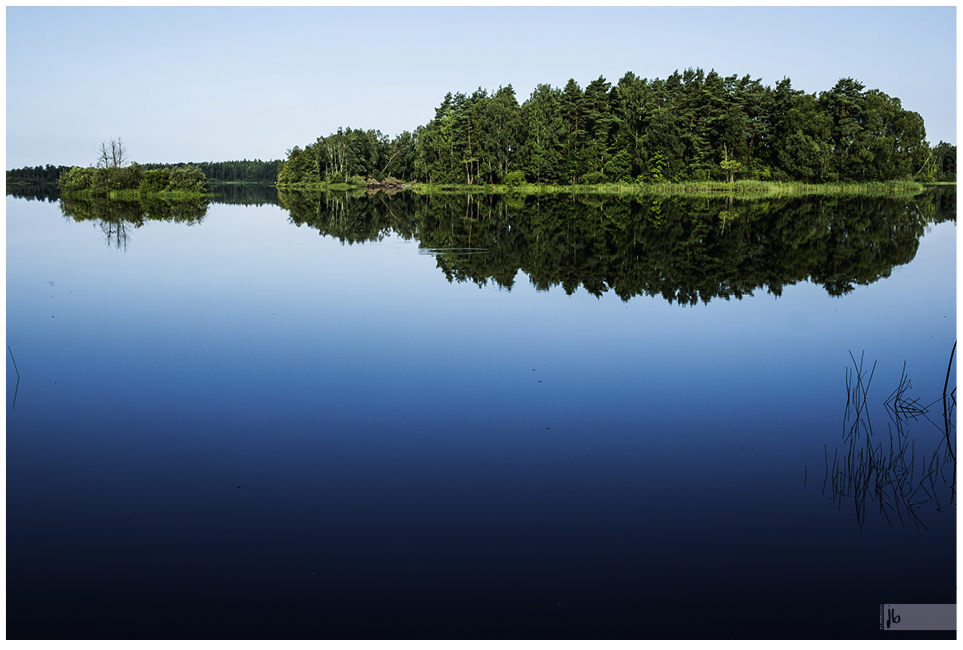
{"x":691,"y":126}
{"x":30,"y":177}
{"x":232,"y":171}
{"x":349,"y":154}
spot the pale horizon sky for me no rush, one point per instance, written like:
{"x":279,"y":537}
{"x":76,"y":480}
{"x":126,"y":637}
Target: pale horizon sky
{"x":182,"y":84}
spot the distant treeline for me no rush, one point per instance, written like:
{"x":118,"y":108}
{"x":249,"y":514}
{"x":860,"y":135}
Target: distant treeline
{"x":233,"y":171}
{"x":689,"y":127}
{"x":35,"y":177}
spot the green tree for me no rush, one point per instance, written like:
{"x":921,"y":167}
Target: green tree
{"x":545,"y":134}
{"x":805,"y":149}
{"x":573,"y":115}
{"x":688,"y":126}
{"x":729,"y":167}
{"x":845,"y":104}
{"x":600,"y":126}
{"x":500,"y":135}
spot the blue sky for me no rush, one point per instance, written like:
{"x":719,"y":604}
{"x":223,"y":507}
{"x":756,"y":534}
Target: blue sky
{"x":197,"y":84}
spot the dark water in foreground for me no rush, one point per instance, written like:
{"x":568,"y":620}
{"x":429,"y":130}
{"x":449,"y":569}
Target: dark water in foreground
{"x":451,"y":418}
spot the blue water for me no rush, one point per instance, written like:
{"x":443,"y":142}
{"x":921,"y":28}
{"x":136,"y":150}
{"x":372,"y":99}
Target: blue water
{"x":242,"y":429}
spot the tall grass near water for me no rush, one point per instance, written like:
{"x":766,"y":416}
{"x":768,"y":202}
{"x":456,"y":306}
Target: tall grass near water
{"x":870,"y":470}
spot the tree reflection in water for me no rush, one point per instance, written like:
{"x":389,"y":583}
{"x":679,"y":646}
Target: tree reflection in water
{"x":684,"y":249}
{"x":117,"y":217}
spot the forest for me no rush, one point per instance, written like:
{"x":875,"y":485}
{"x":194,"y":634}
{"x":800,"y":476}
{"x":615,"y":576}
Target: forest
{"x":232,"y":171}
{"x":37,"y":177}
{"x":689,"y":127}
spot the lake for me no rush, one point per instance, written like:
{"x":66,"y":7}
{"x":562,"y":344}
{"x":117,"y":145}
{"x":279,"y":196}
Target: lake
{"x":393,"y":416}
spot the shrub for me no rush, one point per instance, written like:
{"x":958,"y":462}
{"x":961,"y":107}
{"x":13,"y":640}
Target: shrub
{"x":188,"y":178}
{"x":514,"y":178}
{"x":155,"y":180}
{"x":77,"y":179}
{"x":127,"y":178}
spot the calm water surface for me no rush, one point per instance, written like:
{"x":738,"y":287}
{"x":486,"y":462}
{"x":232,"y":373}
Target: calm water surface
{"x":250,"y":425}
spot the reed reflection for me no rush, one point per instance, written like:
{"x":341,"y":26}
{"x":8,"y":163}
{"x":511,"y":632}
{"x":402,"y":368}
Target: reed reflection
{"x":902,"y":484}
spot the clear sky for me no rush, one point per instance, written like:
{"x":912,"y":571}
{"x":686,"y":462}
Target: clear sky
{"x":183,"y":84}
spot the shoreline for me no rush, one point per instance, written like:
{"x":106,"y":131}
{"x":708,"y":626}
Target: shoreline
{"x":745,"y":188}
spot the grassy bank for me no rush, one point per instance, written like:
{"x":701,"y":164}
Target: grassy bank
{"x":753,"y":188}
{"x":747,"y":188}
